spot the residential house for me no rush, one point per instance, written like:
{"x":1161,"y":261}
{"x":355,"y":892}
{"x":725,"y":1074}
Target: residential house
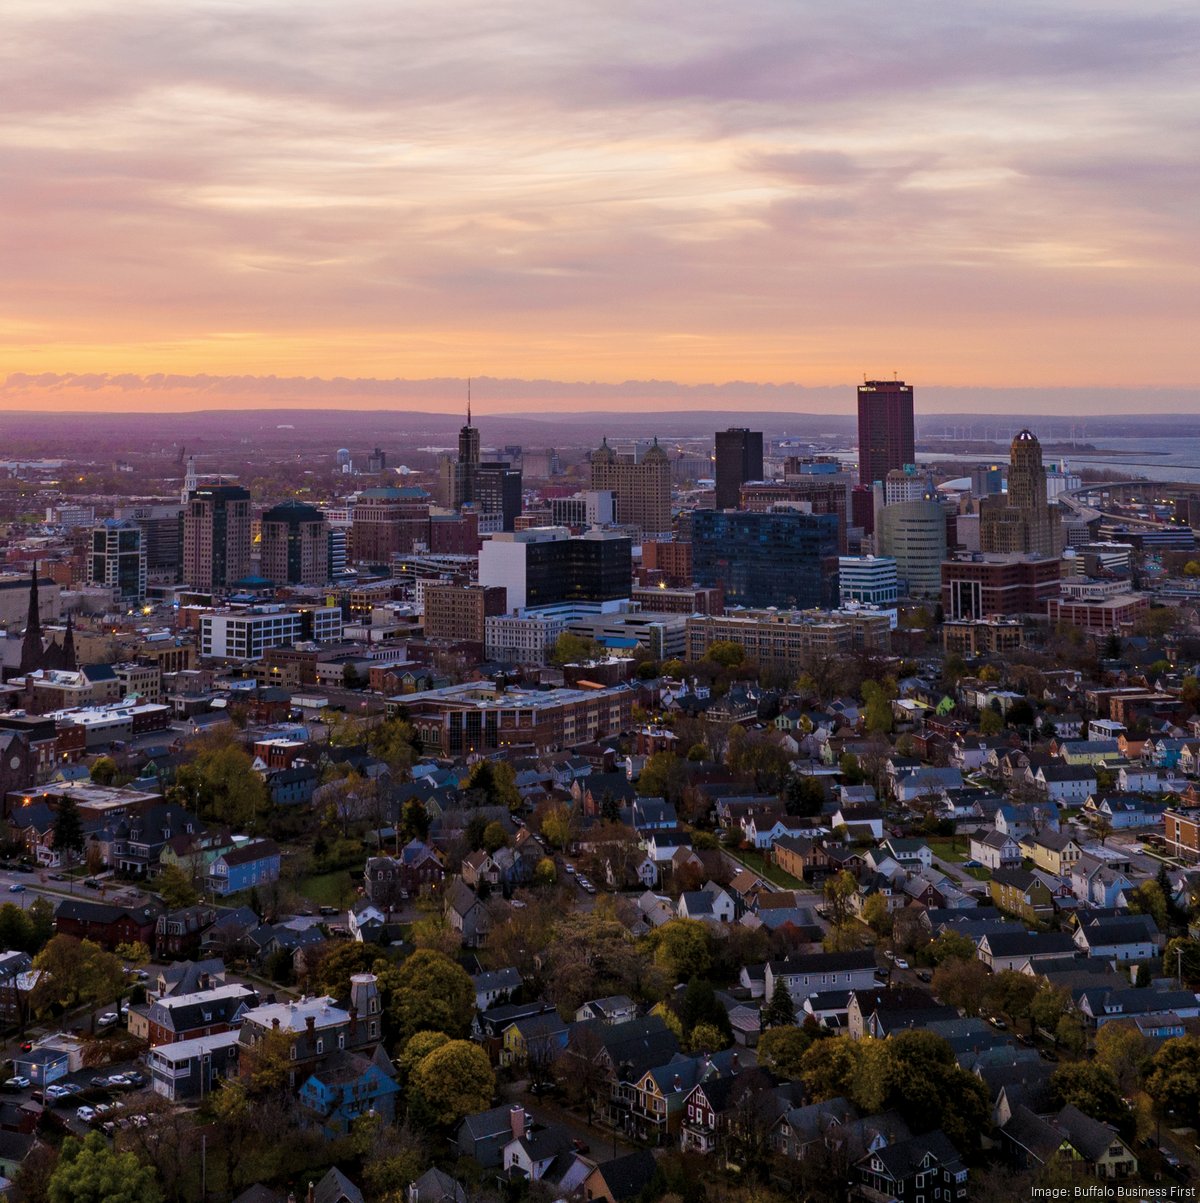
{"x":346,"y":1086}
{"x":1123,"y":938}
{"x":466,"y":914}
{"x":908,"y":853}
{"x":712,"y":904}
{"x":105,"y":924}
{"x":1053,"y":851}
{"x":995,"y":849}
{"x":867,"y":819}
{"x":1122,"y":811}
{"x":1019,"y":892}
{"x":657,"y":1110}
{"x":878,"y":1011}
{"x":813,"y":972}
{"x":1010,"y":950}
{"x":621,"y":1179}
{"x":191,"y":1069}
{"x":1069,"y":784}
{"x":436,"y":1186}
{"x":800,"y":1130}
{"x":178,"y":1017}
{"x":481,"y":1137}
{"x":533,"y":1040}
{"x":801,"y":856}
{"x":391,"y":879}
{"x":617,"y":1008}
{"x":249,"y":865}
{"x":927,"y":782}
{"x":914,"y":1171}
{"x":1098,"y":1144}
{"x":1098,"y":882}
{"x":496,"y":986}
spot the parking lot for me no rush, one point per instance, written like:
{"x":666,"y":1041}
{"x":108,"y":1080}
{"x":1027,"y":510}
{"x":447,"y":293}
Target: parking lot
{"x":115,"y":1095}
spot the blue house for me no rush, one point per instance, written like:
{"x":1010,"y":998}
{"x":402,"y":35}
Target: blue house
{"x":253,"y":864}
{"x":347,"y":1086}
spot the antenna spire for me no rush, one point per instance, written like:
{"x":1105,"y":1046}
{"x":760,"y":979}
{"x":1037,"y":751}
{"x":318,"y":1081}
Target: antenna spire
{"x":468,"y":400}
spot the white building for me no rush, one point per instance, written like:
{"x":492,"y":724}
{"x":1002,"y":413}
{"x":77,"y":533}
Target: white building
{"x":247,"y":634}
{"x":869,"y":580}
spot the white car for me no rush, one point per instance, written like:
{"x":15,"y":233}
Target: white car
{"x":19,"y":1082}
{"x":55,"y":1091}
{"x":85,"y":1115}
{"x":901,"y":963}
{"x":108,"y":1019}
{"x":571,"y":870}
{"x":118,"y":1080}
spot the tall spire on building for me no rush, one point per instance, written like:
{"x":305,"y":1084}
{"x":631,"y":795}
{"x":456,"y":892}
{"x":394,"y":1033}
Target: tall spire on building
{"x":31,"y":646}
{"x":468,"y":400}
{"x":67,"y":652}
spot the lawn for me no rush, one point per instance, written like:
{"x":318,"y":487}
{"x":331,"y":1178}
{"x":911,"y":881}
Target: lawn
{"x":952,"y":850}
{"x":327,"y":889}
{"x":980,"y":874}
{"x":753,"y":859}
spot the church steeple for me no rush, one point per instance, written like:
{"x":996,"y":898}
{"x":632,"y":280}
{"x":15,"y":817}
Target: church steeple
{"x":32,"y":651}
{"x":67,"y":651}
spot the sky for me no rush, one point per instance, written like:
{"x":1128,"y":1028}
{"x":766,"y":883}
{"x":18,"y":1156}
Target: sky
{"x":363,"y":203}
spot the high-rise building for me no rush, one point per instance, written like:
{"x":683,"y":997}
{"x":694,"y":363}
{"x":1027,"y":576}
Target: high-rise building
{"x":980,"y":586}
{"x":868,"y":580}
{"x":820,"y":492}
{"x":987,"y":479}
{"x":885,"y":428}
{"x":118,"y":559}
{"x":388,"y":521}
{"x":907,"y":484}
{"x":162,"y":537}
{"x":739,"y":458}
{"x":546,"y":565}
{"x":295,"y":545}
{"x":216,"y":537}
{"x":377,"y":461}
{"x":1023,"y":520}
{"x":496,"y":488}
{"x":913,"y":533}
{"x":642,"y":489}
{"x":459,"y":612}
{"x":781,"y":558}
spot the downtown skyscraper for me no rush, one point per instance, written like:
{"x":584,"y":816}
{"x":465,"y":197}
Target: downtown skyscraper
{"x":885,"y":428}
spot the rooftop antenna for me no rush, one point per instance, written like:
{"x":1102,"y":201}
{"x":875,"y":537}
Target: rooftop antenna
{"x":468,"y":400}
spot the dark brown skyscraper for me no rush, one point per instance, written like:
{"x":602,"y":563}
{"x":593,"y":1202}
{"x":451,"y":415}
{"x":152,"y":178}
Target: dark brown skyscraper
{"x":739,"y":459}
{"x":885,"y":428}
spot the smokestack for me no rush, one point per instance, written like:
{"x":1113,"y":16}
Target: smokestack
{"x":516,"y":1120}
{"x":310,"y":1022}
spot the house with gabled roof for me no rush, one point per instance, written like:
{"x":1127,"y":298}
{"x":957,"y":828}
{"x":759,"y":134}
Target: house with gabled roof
{"x":911,"y":1171}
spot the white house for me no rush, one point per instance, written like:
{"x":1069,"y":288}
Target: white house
{"x":1070,"y":784}
{"x":995,"y":849}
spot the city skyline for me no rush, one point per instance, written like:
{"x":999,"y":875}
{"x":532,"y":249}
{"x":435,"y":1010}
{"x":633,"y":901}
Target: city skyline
{"x":210,"y":203}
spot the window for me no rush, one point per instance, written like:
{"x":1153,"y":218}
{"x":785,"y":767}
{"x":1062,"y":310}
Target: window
{"x":320,"y":1046}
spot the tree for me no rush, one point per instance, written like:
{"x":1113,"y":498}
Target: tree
{"x":1011,"y":993}
{"x":104,"y":771}
{"x":1071,"y":1034}
{"x":545,"y":872}
{"x":962,"y":983}
{"x":453,"y":1081}
{"x":1090,"y":1087}
{"x":220,"y":784}
{"x":75,"y":972}
{"x":497,"y":781}
{"x":878,"y":697}
{"x":1174,"y":1079}
{"x":664,"y":775}
{"x":683,"y":949}
{"x":430,"y":991}
{"x":68,"y":830}
{"x":135,"y":953}
{"x":877,"y":915}
{"x":338,"y":962}
{"x":838,"y":890}
{"x":1148,"y":899}
{"x":952,"y":946}
{"x":782,"y":1049}
{"x":417,"y":1048}
{"x":780,"y":1012}
{"x":991,"y":722}
{"x":176,"y":887}
{"x":574,"y":649}
{"x":803,"y":795}
{"x":88,"y":1171}
{"x":725,"y":653}
{"x":266,"y":1065}
{"x":700,"y":1007}
{"x":1181,"y":958}
{"x":558,"y":826}
{"x":590,"y":956}
{"x":395,"y":743}
{"x":1048,"y":1006}
{"x":494,"y":837}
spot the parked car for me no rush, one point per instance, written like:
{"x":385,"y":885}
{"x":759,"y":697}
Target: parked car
{"x":135,"y":1077}
{"x":972,"y":864}
{"x":54,"y":1092}
{"x":923,"y":975}
{"x":901,"y":963}
{"x":108,"y":1019}
{"x":85,"y":1115}
{"x":100,"y":1080}
{"x":17,"y":1082}
{"x":16,"y":888}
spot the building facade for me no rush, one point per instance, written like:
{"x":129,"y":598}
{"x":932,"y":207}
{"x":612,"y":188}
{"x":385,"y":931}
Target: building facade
{"x":739,"y":457}
{"x":216,"y":537}
{"x":885,"y":428}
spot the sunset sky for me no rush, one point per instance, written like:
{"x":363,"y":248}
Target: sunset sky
{"x":256,"y":202}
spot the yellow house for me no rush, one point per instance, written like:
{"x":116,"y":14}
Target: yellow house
{"x":536,"y":1038}
{"x":1052,"y":851}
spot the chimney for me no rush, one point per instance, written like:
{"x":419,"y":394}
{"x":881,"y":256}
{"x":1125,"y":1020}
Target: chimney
{"x":312,"y":1194}
{"x":516,"y":1120}
{"x":275,"y":1022}
{"x":733,"y":1062}
{"x":310,"y":1022}
{"x":678,"y":1083}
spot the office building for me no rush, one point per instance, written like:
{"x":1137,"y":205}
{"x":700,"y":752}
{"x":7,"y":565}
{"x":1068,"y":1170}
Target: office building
{"x":1097,"y":607}
{"x":478,"y":718}
{"x":980,"y":586}
{"x":216,"y":537}
{"x":589,"y":508}
{"x":118,"y":559}
{"x":460,"y":612}
{"x":907,"y":484}
{"x":987,"y":479}
{"x":970,"y":637}
{"x":913,"y":533}
{"x":387,"y":522}
{"x":669,"y":562}
{"x":546,"y":565}
{"x":496,"y":488}
{"x":739,"y":457}
{"x":782,"y":640}
{"x":885,"y":429}
{"x":781,"y":558}
{"x":295,"y":547}
{"x":868,"y":580}
{"x":815,"y":492}
{"x":1023,"y":520}
{"x":162,"y":537}
{"x":642,"y":489}
{"x":247,"y":634}
{"x":377,"y":462}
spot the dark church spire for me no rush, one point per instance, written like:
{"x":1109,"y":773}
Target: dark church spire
{"x":31,"y":646}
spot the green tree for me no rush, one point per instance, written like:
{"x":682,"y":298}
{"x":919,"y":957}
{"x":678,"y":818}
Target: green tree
{"x":991,"y":722}
{"x":782,"y":1049}
{"x":414,"y":821}
{"x":339,"y":961}
{"x":1048,"y":1006}
{"x":1148,"y":899}
{"x":88,"y":1171}
{"x":700,"y":1007}
{"x":574,"y":649}
{"x":838,"y":890}
{"x":494,"y":837}
{"x":780,"y":1012}
{"x":75,"y":972}
{"x":430,"y":991}
{"x":664,"y":775}
{"x":962,"y":983}
{"x":877,"y":915}
{"x":417,"y":1048}
{"x":725,"y":653}
{"x":497,"y":781}
{"x":953,"y":945}
{"x":104,"y":771}
{"x":16,"y":928}
{"x":1090,"y":1087}
{"x":1174,"y":1079}
{"x":266,"y":1066}
{"x":453,"y":1081}
{"x":878,"y":697}
{"x":1012,"y":993}
{"x":1181,"y":958}
{"x":683,"y":949}
{"x":829,"y":1067}
{"x":545,"y":872}
{"x":558,"y":826}
{"x":68,"y":830}
{"x":137,"y":952}
{"x":927,"y":1086}
{"x":1071,"y":1034}
{"x":803,"y":795}
{"x":176,"y":888}
{"x":707,"y":1038}
{"x":220,"y":784}
{"x":395,"y":743}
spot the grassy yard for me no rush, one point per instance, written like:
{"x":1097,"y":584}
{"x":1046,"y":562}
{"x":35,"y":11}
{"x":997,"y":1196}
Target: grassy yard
{"x":980,"y":874}
{"x":953,"y":850}
{"x":754,"y":860}
{"x":327,"y":889}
